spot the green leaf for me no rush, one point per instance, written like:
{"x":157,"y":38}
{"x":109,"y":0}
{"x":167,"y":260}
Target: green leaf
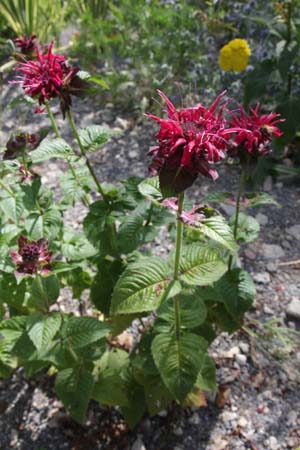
{"x":74,"y":387}
{"x":141,"y":287}
{"x":131,"y":233}
{"x":150,"y":188}
{"x":42,"y":329}
{"x":84,"y":75}
{"x":260,"y":198}
{"x":179,"y":361}
{"x":107,"y":275}
{"x":192,"y":311}
{"x":110,"y":387}
{"x":248,"y":228}
{"x":52,"y":148}
{"x":257,"y":80}
{"x":217,"y":229}
{"x":77,"y":247}
{"x":206,"y":379}
{"x":44,"y":290}
{"x":46,"y":225}
{"x":218,"y":197}
{"x":83,"y":331}
{"x":94,"y":136}
{"x":237,"y":291}
{"x":200,"y":265}
{"x":12,"y":208}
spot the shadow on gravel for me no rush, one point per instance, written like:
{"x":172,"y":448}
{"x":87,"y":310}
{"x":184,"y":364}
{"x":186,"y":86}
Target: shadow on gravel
{"x":32,"y":419}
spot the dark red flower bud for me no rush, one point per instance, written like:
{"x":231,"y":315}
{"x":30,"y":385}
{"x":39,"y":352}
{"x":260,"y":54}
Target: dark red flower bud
{"x":32,"y":256}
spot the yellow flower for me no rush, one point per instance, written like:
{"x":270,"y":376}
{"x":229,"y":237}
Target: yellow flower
{"x":234,"y":55}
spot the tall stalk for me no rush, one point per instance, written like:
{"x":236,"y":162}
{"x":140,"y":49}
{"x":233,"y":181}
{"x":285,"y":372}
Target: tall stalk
{"x":237,"y":210}
{"x":176,"y":264}
{"x":83,"y":153}
{"x":58,"y":135}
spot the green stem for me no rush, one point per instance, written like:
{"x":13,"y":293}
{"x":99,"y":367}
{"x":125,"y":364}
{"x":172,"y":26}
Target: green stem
{"x":288,"y":41}
{"x":176,"y":264}
{"x":11,"y":193}
{"x":83,"y":153}
{"x":237,"y":210}
{"x":53,"y":121}
{"x":58,"y":135}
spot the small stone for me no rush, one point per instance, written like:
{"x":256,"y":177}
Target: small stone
{"x":231,"y":353}
{"x":272,"y":251}
{"x":250,"y":255}
{"x":268,"y":184}
{"x":219,"y":444}
{"x":271,"y":267}
{"x":178,"y":431}
{"x":241,"y":359}
{"x":133,"y":154}
{"x":292,"y":418}
{"x":272,"y":442}
{"x":228,"y":416}
{"x":244,"y":346}
{"x":228,"y":210}
{"x":194,"y":419}
{"x":262,"y":277}
{"x":293,"y":309}
{"x":163,"y":413}
{"x":267,"y":310}
{"x":294,"y":231}
{"x":138,"y":445}
{"x":262,"y":219}
{"x":243,"y":422}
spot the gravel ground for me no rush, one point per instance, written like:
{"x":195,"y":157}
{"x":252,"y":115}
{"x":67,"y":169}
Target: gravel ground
{"x":257,"y":405}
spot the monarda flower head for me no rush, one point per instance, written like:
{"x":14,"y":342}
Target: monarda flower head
{"x":254,"y":135}
{"x":33,"y":257}
{"x":20,"y":143}
{"x":50,"y":76}
{"x":190,"y":141}
{"x":26,"y":45}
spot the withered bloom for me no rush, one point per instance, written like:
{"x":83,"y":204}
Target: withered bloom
{"x":33,"y":257}
{"x":20,"y":143}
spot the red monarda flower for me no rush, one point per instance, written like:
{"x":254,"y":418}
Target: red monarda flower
{"x":50,"y":76}
{"x":32,"y":256}
{"x":20,"y":143}
{"x":26,"y":44}
{"x":190,"y":141}
{"x":255,"y":133}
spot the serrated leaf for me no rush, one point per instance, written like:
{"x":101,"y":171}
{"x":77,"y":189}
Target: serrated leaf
{"x":200,"y":265}
{"x":260,"y":198}
{"x":218,"y":197}
{"x":83,"y":331}
{"x":237,"y":291}
{"x":52,"y":148}
{"x":74,"y":387}
{"x":247,"y":229}
{"x":206,"y":379}
{"x":179,"y":361}
{"x":217,"y":229}
{"x":131,"y":233}
{"x":94,"y":136}
{"x":192,"y":311}
{"x":77,"y":248}
{"x":104,"y":281}
{"x":44,"y":290}
{"x":42,"y":329}
{"x":150,"y":188}
{"x":46,"y":225}
{"x":12,"y":207}
{"x":141,"y":287}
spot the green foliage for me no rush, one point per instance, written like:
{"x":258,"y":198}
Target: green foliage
{"x":248,"y":228}
{"x":141,"y":287}
{"x":179,"y":361}
{"x":28,"y":17}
